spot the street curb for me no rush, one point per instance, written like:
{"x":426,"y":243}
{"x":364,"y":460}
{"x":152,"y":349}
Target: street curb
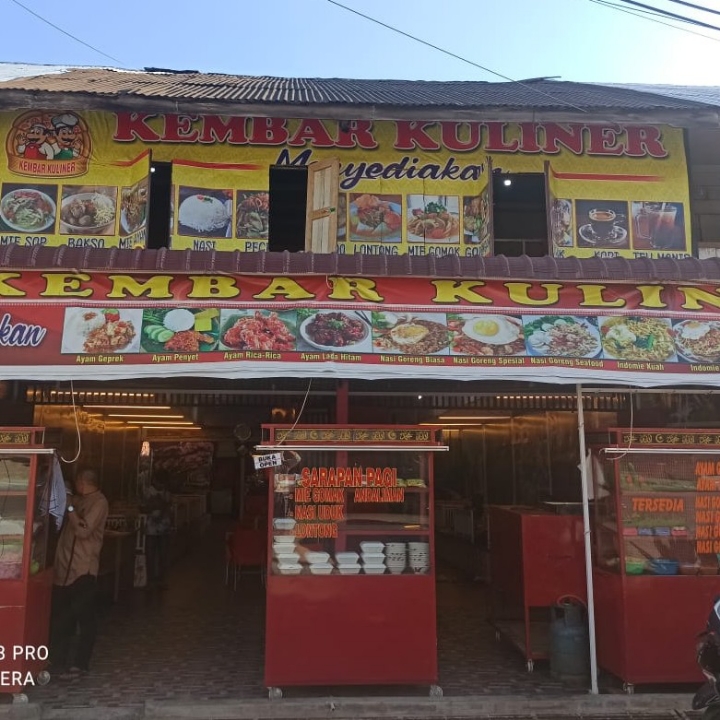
{"x":418,"y":708}
{"x":329,"y":708}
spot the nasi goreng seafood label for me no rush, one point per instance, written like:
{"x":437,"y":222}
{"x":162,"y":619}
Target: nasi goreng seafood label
{"x":115,"y":325}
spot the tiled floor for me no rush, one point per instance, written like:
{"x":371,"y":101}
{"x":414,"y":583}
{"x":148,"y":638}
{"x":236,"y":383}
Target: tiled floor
{"x":200,"y":640}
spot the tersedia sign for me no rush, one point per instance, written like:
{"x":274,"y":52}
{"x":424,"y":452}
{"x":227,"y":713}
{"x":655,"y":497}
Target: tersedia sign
{"x":62,"y":325}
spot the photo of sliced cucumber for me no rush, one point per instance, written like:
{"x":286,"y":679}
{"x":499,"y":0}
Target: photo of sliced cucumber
{"x":155,"y":335}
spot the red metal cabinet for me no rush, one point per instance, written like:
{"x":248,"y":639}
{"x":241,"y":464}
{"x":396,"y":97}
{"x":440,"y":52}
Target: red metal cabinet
{"x":536,"y":557}
{"x":25,"y":577}
{"x":651,"y":518}
{"x":351,"y":629}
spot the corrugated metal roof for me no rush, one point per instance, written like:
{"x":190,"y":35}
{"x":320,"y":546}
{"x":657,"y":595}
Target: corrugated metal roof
{"x":704,"y":94}
{"x":285,"y":263}
{"x":241,"y":89}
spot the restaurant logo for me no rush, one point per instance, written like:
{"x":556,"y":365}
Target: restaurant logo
{"x":48,"y":144}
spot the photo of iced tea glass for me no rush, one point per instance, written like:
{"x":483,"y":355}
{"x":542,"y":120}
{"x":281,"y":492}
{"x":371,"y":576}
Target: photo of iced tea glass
{"x":655,"y":223}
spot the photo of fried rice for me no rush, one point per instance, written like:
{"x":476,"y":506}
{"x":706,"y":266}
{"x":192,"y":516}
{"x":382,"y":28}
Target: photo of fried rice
{"x":258,"y":330}
{"x":698,"y":340}
{"x":562,"y":336}
{"x":637,"y":338}
{"x":413,"y":335}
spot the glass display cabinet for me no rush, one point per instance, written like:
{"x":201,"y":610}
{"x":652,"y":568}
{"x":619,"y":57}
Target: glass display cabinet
{"x":351,"y":557}
{"x":656,"y":534}
{"x":25,"y":569}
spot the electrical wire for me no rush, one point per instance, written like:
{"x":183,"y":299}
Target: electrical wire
{"x":456,"y":56}
{"x":702,"y":8}
{"x":77,"y":428}
{"x":65,"y":32}
{"x":645,"y":16}
{"x":673,"y":16}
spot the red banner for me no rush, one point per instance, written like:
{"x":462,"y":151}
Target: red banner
{"x":54,"y":324}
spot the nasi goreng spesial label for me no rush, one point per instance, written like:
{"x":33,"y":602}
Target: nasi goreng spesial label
{"x":66,"y":325}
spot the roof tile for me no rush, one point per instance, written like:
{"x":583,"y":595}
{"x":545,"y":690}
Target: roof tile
{"x":285,"y":263}
{"x":241,"y":89}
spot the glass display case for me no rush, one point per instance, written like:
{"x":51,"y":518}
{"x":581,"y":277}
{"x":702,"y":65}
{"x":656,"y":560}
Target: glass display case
{"x":656,"y":544}
{"x":25,"y":570}
{"x":350,"y":532}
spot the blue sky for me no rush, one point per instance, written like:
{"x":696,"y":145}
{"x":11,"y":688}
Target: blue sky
{"x":574,"y":39}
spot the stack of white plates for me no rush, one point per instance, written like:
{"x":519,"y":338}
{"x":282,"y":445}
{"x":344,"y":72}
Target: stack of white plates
{"x":396,"y":557}
{"x":347,"y":563}
{"x":419,"y":553}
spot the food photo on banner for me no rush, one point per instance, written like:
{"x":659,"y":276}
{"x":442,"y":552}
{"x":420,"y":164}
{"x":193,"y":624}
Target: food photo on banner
{"x":382,"y":327}
{"x":405,"y":187}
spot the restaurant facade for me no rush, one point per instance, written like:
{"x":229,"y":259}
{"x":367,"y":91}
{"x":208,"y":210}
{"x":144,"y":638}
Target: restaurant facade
{"x":447,"y":264}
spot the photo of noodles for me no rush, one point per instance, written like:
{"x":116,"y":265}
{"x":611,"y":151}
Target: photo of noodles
{"x":698,"y":340}
{"x":433,"y":218}
{"x":637,"y":338}
{"x":133,"y":207}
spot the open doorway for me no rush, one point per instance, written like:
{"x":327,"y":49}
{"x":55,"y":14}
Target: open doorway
{"x":288,"y":208}
{"x":160,"y":205}
{"x":519,"y":214}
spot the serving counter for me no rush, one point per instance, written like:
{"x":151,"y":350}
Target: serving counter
{"x":351,"y":558}
{"x":656,"y":545}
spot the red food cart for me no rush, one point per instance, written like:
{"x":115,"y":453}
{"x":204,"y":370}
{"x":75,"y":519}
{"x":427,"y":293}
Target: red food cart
{"x":25,"y":576}
{"x":536,"y":557}
{"x":351,"y":557}
{"x":656,"y":545}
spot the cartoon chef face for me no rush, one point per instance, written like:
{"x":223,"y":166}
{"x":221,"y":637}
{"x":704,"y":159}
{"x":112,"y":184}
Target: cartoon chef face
{"x":37,"y":134}
{"x":64,"y":127}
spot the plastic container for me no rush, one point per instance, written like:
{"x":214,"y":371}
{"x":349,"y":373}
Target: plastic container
{"x":346,"y":558}
{"x":372,"y":547}
{"x":374,"y":569}
{"x":284,"y":523}
{"x":288,"y":558}
{"x":317,"y":557}
{"x":663,"y":567}
{"x":321,"y":569}
{"x":634,"y":566}
{"x":349,"y":569}
{"x":289,"y":569}
{"x":373,"y":558}
{"x":283,"y":539}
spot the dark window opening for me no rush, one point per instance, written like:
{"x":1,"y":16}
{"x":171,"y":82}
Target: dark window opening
{"x":288,"y":208}
{"x":519,"y":214}
{"x":159,"y":214}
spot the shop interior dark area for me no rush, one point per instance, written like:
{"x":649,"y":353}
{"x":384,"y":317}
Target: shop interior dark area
{"x":510,"y":444}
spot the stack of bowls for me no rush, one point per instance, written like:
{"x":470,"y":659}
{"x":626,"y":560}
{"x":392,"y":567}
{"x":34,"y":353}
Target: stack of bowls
{"x":347,"y":563}
{"x":396,"y":557}
{"x":419,"y":553}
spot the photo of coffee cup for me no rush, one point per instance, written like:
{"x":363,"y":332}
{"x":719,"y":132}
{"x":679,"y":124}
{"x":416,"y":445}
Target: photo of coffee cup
{"x":602,"y":224}
{"x":602,"y":221}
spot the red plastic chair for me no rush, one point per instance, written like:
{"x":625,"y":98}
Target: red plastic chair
{"x":245,"y":547}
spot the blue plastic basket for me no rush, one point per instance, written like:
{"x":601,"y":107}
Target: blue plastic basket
{"x":663,"y":567}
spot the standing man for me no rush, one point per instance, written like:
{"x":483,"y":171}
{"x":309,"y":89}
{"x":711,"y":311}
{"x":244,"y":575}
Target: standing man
{"x":76,"y":567}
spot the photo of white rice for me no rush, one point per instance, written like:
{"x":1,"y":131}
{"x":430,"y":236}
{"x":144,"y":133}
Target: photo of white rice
{"x":204,"y":214}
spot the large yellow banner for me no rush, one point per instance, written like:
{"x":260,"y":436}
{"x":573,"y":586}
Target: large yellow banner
{"x":406,"y":186}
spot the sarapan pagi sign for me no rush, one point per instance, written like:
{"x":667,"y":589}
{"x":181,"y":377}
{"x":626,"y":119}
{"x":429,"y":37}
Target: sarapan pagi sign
{"x":64,"y":325}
